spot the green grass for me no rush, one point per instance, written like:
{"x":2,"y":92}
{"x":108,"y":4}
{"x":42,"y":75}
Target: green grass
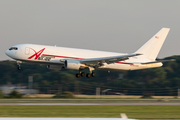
{"x":138,"y":112}
{"x":79,"y":101}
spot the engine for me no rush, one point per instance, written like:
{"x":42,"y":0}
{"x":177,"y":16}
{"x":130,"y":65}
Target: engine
{"x":55,"y":67}
{"x":73,"y":64}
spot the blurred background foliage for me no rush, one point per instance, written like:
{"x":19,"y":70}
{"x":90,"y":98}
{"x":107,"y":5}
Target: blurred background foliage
{"x":166,"y":77}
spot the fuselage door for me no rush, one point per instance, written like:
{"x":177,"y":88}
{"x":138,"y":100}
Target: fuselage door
{"x":27,"y":51}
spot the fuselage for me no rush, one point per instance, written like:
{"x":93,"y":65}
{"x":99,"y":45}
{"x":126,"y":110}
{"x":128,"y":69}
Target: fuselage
{"x":43,"y":54}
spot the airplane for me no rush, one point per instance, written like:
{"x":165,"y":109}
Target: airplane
{"x":79,"y":59}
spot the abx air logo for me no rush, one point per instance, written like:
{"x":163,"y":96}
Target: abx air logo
{"x":36,"y":54}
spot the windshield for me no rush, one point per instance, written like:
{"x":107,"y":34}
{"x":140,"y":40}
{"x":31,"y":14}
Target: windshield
{"x":13,"y":48}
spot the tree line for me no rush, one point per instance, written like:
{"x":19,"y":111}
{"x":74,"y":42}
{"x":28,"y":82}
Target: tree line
{"x":166,"y":78}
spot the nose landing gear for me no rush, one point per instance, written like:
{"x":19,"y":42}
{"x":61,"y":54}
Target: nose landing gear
{"x":19,"y":65}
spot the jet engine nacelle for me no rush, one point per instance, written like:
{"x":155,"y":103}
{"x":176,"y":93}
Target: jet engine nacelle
{"x":73,"y":64}
{"x":55,"y":67}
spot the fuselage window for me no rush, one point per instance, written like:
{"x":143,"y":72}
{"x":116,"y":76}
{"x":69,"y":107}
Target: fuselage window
{"x":13,"y":48}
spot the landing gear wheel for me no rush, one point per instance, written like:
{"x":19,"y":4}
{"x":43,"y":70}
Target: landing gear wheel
{"x":78,"y":75}
{"x":88,"y":75}
{"x":93,"y":74}
{"x":83,"y":74}
{"x":19,"y":67}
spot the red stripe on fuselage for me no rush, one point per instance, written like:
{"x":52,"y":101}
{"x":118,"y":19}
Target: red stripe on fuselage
{"x":62,"y":56}
{"x":80,"y":58}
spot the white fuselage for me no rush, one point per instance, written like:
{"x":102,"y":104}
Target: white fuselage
{"x":43,"y":54}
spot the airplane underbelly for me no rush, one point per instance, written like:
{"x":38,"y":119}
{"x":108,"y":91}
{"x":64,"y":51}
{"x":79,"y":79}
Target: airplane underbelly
{"x":116,"y":67}
{"x":124,"y":66}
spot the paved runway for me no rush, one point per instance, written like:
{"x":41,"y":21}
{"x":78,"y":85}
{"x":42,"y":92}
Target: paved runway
{"x":91,"y":104}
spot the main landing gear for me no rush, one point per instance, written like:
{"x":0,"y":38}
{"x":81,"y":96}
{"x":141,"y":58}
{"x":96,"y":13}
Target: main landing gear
{"x":78,"y":75}
{"x":88,"y":75}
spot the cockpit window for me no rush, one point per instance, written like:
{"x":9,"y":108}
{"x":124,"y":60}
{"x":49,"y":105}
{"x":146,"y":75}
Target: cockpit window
{"x":13,"y":48}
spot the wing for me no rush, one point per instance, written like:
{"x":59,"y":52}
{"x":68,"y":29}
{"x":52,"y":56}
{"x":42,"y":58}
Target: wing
{"x":108,"y":60}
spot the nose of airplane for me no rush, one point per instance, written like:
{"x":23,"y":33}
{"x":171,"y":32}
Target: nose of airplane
{"x":7,"y":52}
{"x":10,"y":53}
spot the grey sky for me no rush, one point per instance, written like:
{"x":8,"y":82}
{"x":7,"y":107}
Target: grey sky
{"x":108,"y":25}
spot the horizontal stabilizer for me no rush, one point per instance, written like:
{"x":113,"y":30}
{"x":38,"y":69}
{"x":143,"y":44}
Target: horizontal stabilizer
{"x":159,"y":61}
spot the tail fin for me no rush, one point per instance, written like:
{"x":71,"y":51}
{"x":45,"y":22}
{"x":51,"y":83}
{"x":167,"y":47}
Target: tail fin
{"x":152,"y":47}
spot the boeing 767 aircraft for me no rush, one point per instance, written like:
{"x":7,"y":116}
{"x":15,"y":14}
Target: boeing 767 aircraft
{"x":79,"y":59}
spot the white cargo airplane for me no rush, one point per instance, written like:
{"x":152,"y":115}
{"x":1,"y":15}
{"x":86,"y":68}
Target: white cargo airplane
{"x":79,"y":59}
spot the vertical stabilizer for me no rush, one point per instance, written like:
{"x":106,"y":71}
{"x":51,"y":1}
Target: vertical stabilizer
{"x":152,"y":47}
